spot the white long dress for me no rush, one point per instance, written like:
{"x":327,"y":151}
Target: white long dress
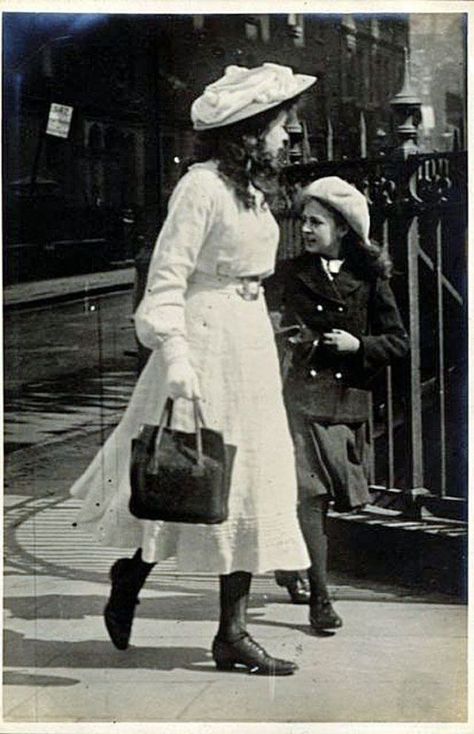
{"x":208,"y":242}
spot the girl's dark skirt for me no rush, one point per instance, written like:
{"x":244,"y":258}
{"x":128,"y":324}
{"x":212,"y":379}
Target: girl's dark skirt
{"x":332,"y":459}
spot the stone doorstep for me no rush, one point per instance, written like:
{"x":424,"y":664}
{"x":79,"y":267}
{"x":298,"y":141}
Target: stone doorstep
{"x":383,"y":544}
{"x":420,"y":503}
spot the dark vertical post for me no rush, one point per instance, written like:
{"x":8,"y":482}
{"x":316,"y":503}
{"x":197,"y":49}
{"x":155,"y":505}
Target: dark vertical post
{"x":39,"y":150}
{"x":34,"y":170}
{"x":441,"y":381}
{"x":406,"y":108}
{"x":390,"y":441}
{"x":415,"y":377}
{"x":389,"y":392}
{"x":371,"y":441}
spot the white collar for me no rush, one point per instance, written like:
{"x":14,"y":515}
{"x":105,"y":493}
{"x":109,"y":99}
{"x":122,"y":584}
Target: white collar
{"x":331,"y":267}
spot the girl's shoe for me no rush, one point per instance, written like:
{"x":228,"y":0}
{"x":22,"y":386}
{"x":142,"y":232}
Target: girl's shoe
{"x":247,"y":652}
{"x":298,"y":591}
{"x":322,"y":616}
{"x":295,"y":584}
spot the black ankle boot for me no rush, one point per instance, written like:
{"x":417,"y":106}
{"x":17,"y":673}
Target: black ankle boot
{"x":322,"y":615}
{"x":247,"y":652}
{"x":128,"y":576}
{"x":295,"y":584}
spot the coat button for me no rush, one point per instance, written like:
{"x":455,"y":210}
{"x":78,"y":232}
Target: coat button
{"x":319,"y":307}
{"x":338,"y":375}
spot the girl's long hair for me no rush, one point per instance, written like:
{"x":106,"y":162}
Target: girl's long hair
{"x":366,"y":258}
{"x":239,"y":150}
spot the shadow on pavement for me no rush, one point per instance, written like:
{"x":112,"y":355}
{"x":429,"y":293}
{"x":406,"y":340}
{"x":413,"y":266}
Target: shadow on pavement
{"x":24,"y":652}
{"x":12,"y":678}
{"x":305,"y":628}
{"x":193,"y":607}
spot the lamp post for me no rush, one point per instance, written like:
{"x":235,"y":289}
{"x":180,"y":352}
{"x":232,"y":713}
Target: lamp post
{"x":406,"y":106}
{"x":295,"y":131}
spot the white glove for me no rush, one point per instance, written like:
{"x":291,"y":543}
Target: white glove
{"x":182,"y":381}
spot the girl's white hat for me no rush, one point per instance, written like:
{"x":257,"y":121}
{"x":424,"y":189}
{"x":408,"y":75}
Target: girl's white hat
{"x":345,"y":199}
{"x":243,"y":93}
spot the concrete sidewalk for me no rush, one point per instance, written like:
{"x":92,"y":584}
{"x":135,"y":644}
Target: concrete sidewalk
{"x":398,"y":658}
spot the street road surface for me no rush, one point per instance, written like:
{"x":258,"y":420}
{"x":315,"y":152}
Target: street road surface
{"x":62,"y":339}
{"x":66,"y":368}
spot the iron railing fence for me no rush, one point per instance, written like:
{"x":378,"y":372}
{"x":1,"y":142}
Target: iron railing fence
{"x":419,"y":212}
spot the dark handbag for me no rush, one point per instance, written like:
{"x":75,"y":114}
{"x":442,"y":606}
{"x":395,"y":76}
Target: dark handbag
{"x":180,"y":476}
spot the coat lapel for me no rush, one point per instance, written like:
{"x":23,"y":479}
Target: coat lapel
{"x":312,"y":274}
{"x":346,"y":282}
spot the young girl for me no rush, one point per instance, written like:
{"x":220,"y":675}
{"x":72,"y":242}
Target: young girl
{"x":338,"y":293}
{"x":204,"y":318}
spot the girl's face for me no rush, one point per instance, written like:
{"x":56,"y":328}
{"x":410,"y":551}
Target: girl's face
{"x":276,"y":136}
{"x":322,"y":234}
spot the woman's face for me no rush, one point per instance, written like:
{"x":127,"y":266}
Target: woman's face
{"x":276,"y":136}
{"x":322,"y":234}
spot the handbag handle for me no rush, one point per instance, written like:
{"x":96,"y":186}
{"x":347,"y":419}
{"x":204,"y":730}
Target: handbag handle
{"x":165,"y":419}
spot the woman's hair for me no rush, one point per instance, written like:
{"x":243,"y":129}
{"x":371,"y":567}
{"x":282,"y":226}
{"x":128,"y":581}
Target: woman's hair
{"x":240,"y":153}
{"x":366,"y":257}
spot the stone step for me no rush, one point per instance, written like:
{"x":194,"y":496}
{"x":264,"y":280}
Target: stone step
{"x":383,"y":544}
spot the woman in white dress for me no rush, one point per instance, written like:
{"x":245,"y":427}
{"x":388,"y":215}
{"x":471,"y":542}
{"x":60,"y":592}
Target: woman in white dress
{"x":204,"y":316}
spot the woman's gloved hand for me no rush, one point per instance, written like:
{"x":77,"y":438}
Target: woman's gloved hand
{"x":182,"y":381}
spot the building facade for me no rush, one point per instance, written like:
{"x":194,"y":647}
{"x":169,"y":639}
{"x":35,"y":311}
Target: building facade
{"x":130,"y":80}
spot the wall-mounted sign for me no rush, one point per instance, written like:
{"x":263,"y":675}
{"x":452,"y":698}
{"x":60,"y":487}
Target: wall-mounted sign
{"x":59,"y":120}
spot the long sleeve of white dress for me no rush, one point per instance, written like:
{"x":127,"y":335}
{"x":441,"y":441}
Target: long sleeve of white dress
{"x":160,"y":319}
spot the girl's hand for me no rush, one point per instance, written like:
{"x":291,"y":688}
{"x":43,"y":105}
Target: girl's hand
{"x":341,"y":341}
{"x":182,"y":381}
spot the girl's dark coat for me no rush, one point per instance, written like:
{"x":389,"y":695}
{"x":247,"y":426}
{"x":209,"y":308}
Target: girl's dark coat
{"x":320,"y":384}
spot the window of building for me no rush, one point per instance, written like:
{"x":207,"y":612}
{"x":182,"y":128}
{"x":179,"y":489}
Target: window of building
{"x":374,"y":85}
{"x":365,"y":72}
{"x":64,"y":61}
{"x":349,"y":23}
{"x":349,"y":73}
{"x":94,"y":138}
{"x":296,"y":28}
{"x":257,"y":28}
{"x":112,"y":138}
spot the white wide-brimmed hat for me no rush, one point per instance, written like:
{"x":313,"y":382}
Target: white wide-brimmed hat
{"x":344,"y":198}
{"x":243,"y":93}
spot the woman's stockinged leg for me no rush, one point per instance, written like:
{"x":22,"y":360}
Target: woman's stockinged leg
{"x":233,"y":646}
{"x":234,"y":595}
{"x":312,"y":512}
